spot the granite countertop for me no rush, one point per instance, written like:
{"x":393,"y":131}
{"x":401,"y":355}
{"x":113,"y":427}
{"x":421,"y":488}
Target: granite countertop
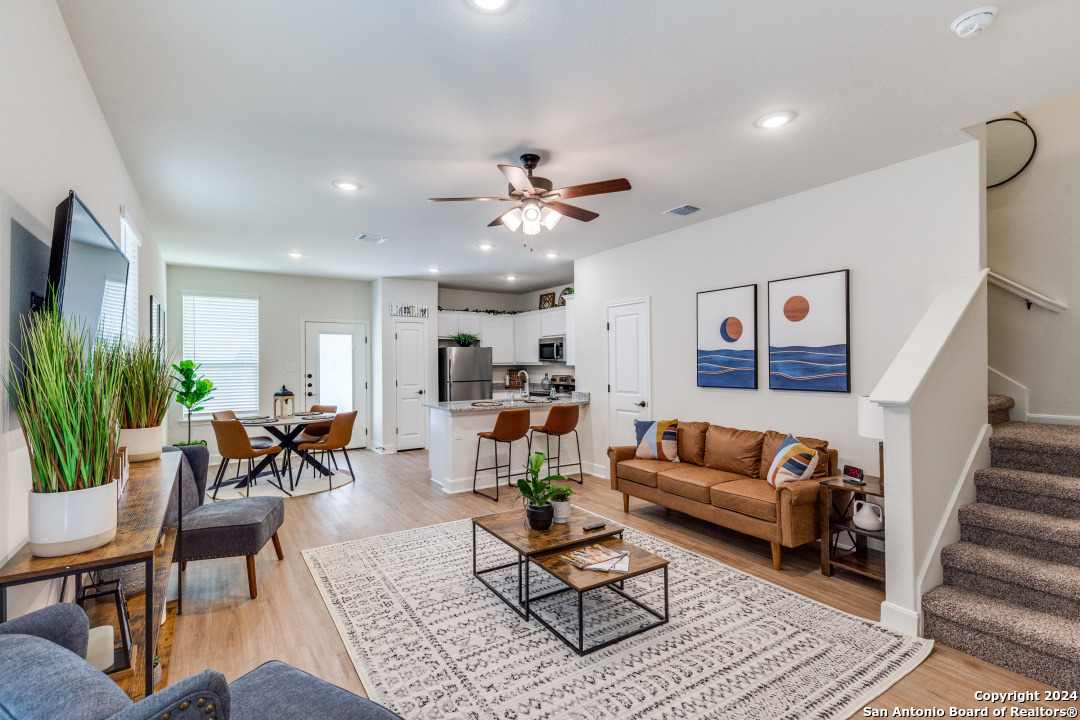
{"x":510,"y":401}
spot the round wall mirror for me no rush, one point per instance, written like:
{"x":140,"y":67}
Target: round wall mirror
{"x":1010,"y":147}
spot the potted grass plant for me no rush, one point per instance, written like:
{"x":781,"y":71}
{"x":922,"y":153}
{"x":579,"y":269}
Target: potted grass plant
{"x":560,"y":503}
{"x":66,"y":397}
{"x":536,"y":493}
{"x":146,"y":388}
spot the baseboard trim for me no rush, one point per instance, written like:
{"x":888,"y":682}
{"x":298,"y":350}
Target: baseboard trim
{"x":597,"y":469}
{"x":901,"y":619}
{"x":1054,"y":419}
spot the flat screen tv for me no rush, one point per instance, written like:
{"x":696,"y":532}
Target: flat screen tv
{"x":87,"y":271}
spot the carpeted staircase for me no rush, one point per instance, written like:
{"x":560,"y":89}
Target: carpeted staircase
{"x":1012,"y":584}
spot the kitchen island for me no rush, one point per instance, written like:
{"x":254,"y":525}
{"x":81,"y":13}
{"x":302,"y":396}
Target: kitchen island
{"x":452,"y":429}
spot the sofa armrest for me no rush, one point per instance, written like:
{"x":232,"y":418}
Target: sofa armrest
{"x":800,"y":492}
{"x":798,"y":512}
{"x":616,"y":455}
{"x":208,"y":686}
{"x":63,"y":623}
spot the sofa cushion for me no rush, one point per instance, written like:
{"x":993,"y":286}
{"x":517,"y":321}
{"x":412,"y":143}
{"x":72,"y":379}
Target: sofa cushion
{"x":692,"y":482}
{"x":731,"y":450}
{"x":656,"y":440}
{"x":230,"y":528}
{"x":794,"y":461}
{"x":749,"y":496}
{"x":772,"y":443}
{"x":691,"y":441}
{"x":643,"y":471}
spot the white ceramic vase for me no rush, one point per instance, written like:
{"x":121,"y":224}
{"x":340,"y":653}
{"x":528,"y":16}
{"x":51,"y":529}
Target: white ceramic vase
{"x":142,"y":443}
{"x":64,"y":523}
{"x":562,"y":511}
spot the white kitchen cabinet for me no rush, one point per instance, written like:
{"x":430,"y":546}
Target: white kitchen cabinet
{"x":553,"y":322}
{"x":448,"y":324}
{"x":571,"y":341}
{"x":497,"y":333}
{"x":470,"y":323}
{"x":527,"y":338}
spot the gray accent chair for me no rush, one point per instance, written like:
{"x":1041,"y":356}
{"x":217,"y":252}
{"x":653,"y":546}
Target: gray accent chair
{"x":226,"y":528}
{"x":43,"y":676}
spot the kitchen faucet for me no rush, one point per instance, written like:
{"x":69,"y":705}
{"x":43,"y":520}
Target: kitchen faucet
{"x":525,"y":387}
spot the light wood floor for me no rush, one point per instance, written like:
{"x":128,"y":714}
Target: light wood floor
{"x":223,"y":629}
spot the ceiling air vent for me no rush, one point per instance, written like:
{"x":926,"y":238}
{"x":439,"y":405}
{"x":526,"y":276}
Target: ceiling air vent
{"x":377,"y":239}
{"x":682,"y":210}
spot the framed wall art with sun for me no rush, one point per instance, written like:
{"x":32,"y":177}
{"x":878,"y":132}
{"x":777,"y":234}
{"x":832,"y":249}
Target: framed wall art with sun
{"x":727,"y":338}
{"x":810,"y":333}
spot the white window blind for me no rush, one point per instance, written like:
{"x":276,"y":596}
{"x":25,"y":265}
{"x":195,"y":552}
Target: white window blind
{"x":222,"y":333}
{"x":129,"y":243}
{"x":111,"y":320}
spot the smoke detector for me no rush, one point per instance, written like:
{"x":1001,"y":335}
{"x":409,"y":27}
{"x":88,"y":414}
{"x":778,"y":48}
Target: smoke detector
{"x":682,"y":210}
{"x":975,"y":22}
{"x":377,"y":239}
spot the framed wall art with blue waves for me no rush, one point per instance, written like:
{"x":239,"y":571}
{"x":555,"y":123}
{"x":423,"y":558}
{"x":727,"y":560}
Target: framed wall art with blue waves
{"x":727,"y":338}
{"x":810,"y":333}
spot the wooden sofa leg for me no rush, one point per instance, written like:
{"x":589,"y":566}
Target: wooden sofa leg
{"x":277,"y":546}
{"x":183,"y":566}
{"x":252,"y":587}
{"x":625,"y":503}
{"x":775,"y":556}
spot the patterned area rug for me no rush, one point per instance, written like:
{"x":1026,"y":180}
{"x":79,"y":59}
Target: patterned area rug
{"x":430,"y":642}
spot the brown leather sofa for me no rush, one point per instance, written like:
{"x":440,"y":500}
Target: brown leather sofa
{"x":721,"y":478}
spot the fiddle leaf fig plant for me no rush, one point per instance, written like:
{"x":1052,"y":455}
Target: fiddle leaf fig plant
{"x":194,"y":389}
{"x":534,"y":490}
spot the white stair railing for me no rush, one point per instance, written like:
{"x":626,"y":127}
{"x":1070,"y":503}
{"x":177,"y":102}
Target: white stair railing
{"x":1029,"y":295}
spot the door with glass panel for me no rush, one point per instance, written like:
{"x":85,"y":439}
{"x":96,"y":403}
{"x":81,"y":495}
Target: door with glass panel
{"x":335,"y":370}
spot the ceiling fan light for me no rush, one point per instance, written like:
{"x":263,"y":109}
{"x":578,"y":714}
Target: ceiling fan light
{"x":550,"y":217}
{"x":512,"y":219}
{"x":530,"y":210}
{"x":531,"y":227}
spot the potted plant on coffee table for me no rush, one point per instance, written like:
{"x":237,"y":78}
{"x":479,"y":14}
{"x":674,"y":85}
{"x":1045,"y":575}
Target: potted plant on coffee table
{"x":536,"y":493}
{"x":560,"y":503}
{"x":146,"y":388}
{"x":66,"y":396}
{"x":194,"y":389}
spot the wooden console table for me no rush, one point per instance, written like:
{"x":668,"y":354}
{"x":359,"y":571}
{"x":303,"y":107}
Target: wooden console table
{"x":139,"y":527}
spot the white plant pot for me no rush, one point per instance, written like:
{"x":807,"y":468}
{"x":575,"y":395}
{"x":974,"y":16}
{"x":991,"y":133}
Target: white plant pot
{"x":142,"y":443}
{"x":562,"y":511}
{"x":64,"y":523}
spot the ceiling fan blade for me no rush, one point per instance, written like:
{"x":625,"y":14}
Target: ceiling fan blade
{"x":574,"y":212}
{"x":499,"y":220}
{"x":518,"y":178}
{"x":596,"y":188}
{"x":468,"y":198}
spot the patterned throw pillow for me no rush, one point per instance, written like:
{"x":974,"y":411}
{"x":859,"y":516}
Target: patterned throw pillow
{"x":657,"y":440}
{"x":794,"y":461}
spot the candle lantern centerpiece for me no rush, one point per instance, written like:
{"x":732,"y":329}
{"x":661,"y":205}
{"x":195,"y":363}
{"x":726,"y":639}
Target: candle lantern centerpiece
{"x":283,"y":403}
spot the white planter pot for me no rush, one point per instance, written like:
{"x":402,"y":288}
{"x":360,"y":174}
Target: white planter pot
{"x":64,"y":523}
{"x":142,"y":443}
{"x":562,"y":511}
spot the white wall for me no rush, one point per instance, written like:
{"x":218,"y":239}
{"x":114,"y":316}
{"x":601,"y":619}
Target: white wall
{"x":53,"y":138}
{"x":453,"y":299}
{"x":285,"y":302}
{"x":902,"y":231}
{"x":1033,"y":226}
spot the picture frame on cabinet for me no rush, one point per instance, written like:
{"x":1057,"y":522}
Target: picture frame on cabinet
{"x":547,"y":301}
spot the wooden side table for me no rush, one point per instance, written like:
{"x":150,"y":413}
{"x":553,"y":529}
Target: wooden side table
{"x":837,"y":498}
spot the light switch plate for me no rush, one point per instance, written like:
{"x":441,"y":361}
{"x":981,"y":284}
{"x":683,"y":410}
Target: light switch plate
{"x":457,"y":433}
{"x":290,"y":367}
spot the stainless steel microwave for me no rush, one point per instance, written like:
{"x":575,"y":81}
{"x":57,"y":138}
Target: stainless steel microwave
{"x":552,"y":349}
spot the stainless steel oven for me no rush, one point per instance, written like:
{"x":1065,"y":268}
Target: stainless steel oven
{"x":552,"y":349}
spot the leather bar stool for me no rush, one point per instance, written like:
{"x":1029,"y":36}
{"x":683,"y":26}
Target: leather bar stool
{"x":510,"y":426}
{"x":234,"y":444}
{"x":260,"y":442}
{"x":561,"y":420}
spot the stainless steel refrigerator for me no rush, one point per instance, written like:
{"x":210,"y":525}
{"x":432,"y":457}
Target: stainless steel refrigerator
{"x":464,"y":373}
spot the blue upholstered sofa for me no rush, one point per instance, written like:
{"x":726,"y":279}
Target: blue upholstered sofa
{"x":43,"y":676}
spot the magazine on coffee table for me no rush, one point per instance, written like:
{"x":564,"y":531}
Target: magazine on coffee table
{"x":598,"y":557}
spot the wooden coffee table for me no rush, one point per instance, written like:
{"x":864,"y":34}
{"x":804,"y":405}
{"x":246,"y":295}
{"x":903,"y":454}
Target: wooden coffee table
{"x":543,"y":548}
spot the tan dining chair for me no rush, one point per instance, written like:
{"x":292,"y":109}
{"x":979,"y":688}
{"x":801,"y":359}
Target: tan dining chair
{"x":259,"y":442}
{"x":337,"y":439}
{"x":234,"y":444}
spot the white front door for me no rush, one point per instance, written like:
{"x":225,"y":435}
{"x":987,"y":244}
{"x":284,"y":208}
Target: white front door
{"x":335,"y":371}
{"x":410,"y":350}
{"x":628,"y":368}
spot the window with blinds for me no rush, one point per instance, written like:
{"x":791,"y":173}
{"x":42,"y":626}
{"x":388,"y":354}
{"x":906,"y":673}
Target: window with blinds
{"x":222,"y":333}
{"x":129,"y":243}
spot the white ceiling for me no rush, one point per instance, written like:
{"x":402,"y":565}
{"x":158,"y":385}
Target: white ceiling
{"x":234,"y":116}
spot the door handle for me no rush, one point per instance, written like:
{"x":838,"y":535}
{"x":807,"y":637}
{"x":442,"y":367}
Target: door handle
{"x":640,"y":404}
{"x":311,"y":394}
{"x":419,"y":392}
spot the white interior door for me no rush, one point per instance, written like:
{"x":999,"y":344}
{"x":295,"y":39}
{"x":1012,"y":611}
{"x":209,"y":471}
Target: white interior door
{"x":335,"y":371}
{"x":410,"y":350}
{"x":628,"y":368}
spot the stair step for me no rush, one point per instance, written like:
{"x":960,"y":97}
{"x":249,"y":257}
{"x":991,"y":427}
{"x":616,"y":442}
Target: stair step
{"x":1021,"y":531}
{"x":1040,"y":645}
{"x":1037,"y":584}
{"x":997,"y":403}
{"x":1036,"y":447}
{"x":1038,"y":492}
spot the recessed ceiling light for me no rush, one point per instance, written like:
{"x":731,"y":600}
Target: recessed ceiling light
{"x":551,"y":255}
{"x":511,"y":277}
{"x":775,"y":120}
{"x":490,"y":5}
{"x":433,"y":269}
{"x":346,"y":185}
{"x":295,"y":255}
{"x":485,"y":246}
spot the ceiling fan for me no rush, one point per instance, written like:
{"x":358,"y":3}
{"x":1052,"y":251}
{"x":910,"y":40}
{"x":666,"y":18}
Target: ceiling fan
{"x":540,"y":204}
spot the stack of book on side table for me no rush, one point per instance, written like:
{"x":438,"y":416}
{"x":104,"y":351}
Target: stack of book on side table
{"x":598,"y":557}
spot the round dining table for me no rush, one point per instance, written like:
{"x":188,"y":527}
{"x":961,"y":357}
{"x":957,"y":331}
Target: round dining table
{"x":286,"y":430}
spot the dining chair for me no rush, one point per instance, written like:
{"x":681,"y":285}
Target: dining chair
{"x":311,"y":433}
{"x":337,"y":439}
{"x":234,"y":444}
{"x":258,"y":442}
